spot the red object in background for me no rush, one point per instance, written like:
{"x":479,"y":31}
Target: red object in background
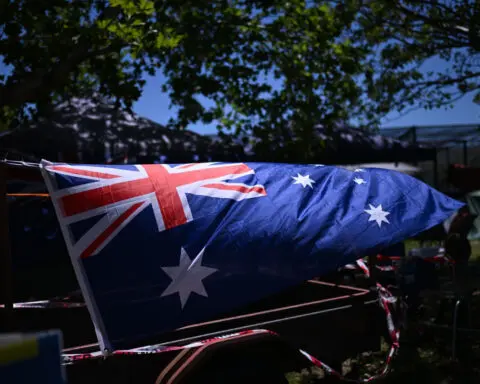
{"x":465,"y":178}
{"x":440,"y":259}
{"x":388,"y":258}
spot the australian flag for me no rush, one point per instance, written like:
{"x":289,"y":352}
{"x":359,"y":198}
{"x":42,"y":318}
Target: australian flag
{"x":156,"y":247}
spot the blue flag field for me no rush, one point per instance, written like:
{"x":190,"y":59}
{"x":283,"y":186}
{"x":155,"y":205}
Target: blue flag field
{"x":156,"y":247}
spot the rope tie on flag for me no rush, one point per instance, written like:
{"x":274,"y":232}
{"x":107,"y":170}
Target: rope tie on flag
{"x":386,"y":301}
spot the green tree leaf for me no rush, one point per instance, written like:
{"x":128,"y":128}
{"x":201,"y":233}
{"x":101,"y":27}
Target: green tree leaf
{"x":269,"y":69}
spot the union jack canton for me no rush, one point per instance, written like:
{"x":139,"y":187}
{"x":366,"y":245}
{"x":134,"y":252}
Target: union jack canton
{"x":128,"y":190}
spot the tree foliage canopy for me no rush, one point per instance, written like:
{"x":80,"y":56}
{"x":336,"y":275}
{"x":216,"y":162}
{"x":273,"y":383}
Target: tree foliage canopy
{"x":271,"y":68}
{"x":410,"y":32}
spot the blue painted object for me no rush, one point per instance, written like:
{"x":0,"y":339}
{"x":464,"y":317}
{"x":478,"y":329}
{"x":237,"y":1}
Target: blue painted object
{"x":31,"y":358}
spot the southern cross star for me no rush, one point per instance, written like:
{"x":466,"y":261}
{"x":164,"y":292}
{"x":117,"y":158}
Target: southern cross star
{"x":359,"y":181}
{"x":377,"y":214}
{"x":187,"y":277}
{"x":303,"y":180}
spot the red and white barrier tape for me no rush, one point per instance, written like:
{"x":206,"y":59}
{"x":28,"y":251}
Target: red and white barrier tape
{"x":383,"y":268}
{"x":45,"y":304}
{"x":386,"y":299}
{"x":439,"y":259}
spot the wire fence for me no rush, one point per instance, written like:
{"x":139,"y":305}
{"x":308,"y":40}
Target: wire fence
{"x":439,"y":136}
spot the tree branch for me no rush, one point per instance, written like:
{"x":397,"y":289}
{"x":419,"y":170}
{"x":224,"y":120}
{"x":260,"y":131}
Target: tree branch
{"x":445,"y":82}
{"x":43,"y":81}
{"x":402,"y":114}
{"x":433,"y":22}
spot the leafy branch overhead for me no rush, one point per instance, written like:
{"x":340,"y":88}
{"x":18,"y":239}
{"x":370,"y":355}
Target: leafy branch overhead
{"x":58,"y":48}
{"x":410,"y":32}
{"x":268,"y":68}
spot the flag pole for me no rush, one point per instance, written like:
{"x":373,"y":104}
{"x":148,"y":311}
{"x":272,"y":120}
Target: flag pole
{"x":6,"y":285}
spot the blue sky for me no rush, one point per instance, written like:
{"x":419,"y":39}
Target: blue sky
{"x":155,"y":105}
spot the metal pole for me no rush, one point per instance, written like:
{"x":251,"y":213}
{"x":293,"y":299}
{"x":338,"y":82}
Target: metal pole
{"x":454,"y":335}
{"x":6,"y":284}
{"x":465,"y":153}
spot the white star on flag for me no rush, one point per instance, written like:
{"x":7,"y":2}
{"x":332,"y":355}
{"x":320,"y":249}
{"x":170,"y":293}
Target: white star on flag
{"x":359,"y":170}
{"x":187,"y":277}
{"x":377,"y":214}
{"x":318,"y":165}
{"x":304,"y":180}
{"x":359,"y":181}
